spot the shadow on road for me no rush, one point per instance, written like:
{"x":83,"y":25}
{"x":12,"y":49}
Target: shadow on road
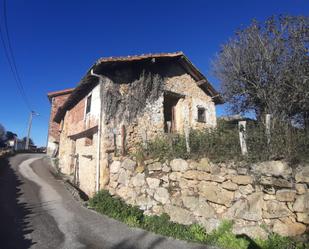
{"x":127,"y":243}
{"x":14,"y":214}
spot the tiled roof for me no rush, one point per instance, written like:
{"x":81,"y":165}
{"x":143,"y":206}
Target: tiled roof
{"x":60,"y":92}
{"x":138,"y":57}
{"x":89,"y":80}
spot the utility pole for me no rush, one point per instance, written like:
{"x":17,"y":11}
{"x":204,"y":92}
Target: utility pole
{"x":32,"y":113}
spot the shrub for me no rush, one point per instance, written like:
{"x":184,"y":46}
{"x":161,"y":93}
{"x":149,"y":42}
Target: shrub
{"x":162,"y":225}
{"x":286,"y":142}
{"x":224,"y":238}
{"x":115,"y":208}
{"x":222,"y":144}
{"x":218,"y":144}
{"x":168,"y":147}
{"x":277,"y":241}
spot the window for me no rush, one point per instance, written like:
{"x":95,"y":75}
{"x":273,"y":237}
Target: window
{"x":201,"y":114}
{"x":88,"y":104}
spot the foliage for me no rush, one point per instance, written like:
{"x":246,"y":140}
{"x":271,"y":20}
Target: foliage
{"x":222,"y":237}
{"x":286,"y":142}
{"x":277,"y":241}
{"x":162,"y":225}
{"x":115,"y":208}
{"x":218,"y":144}
{"x":264,"y":68}
{"x":127,"y":102}
{"x":169,"y":146}
{"x":222,"y":144}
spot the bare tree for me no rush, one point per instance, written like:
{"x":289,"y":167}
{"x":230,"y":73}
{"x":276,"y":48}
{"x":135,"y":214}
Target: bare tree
{"x":265,"y":68}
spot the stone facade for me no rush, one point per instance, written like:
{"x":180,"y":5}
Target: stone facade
{"x":151,"y":123}
{"x":186,"y":109}
{"x":88,"y":140}
{"x":206,"y":193}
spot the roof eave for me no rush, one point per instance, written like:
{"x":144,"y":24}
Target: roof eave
{"x":199,"y":77}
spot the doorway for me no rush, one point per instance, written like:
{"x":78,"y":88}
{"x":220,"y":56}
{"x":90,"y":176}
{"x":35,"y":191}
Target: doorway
{"x":169,"y":106}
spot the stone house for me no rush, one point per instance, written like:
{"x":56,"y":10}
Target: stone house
{"x":122,"y":101}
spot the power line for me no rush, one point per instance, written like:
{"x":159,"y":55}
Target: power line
{"x":10,"y":57}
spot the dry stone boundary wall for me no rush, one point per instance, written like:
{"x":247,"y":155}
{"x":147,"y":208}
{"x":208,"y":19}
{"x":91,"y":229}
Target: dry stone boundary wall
{"x":259,"y":198}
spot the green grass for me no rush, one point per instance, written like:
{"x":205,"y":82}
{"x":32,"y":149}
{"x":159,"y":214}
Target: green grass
{"x":222,"y":237}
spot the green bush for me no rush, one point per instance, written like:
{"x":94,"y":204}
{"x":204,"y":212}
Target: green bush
{"x":222,"y":144}
{"x":277,"y":241}
{"x":222,"y":237}
{"x":115,"y":208}
{"x":162,"y":225}
{"x":167,"y":147}
{"x":218,"y":144}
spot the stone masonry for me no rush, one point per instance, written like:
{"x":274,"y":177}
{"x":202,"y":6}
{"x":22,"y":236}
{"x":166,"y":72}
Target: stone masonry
{"x":268,"y":194}
{"x":174,"y":98}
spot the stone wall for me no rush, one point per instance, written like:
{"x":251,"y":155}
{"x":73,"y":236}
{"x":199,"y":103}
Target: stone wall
{"x":150,"y":123}
{"x":194,"y":97}
{"x":268,"y":194}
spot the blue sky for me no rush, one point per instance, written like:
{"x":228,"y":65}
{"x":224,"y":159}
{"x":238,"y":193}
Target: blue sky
{"x":55,"y":42}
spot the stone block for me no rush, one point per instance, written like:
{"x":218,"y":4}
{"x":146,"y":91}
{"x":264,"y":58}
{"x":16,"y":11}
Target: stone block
{"x":175,"y":176}
{"x":288,"y":228}
{"x":275,"y":209}
{"x":128,"y":164}
{"x":302,"y":203}
{"x":204,"y":165}
{"x":155,"y":166}
{"x":191,"y":174}
{"x":161,"y":195}
{"x":303,"y":217}
{"x":242,"y":180}
{"x":115,"y":167}
{"x":216,"y":194}
{"x":273,"y":168}
{"x":153,"y":182}
{"x":246,"y":189}
{"x":179,"y":165}
{"x":302,"y":175}
{"x":179,"y":215}
{"x":138,"y":180}
{"x":274,"y":181}
{"x":286,"y":195}
{"x":301,"y":188}
{"x":229,"y":185}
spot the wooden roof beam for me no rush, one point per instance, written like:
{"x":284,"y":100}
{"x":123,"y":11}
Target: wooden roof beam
{"x":201,"y":82}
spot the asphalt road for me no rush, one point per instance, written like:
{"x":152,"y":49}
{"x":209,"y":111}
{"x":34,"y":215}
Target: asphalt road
{"x":37,"y":211}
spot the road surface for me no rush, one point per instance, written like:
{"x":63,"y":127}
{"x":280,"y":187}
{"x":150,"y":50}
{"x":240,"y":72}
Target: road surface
{"x":37,"y":211}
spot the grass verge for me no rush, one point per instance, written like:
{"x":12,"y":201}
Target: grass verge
{"x":222,"y":237}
